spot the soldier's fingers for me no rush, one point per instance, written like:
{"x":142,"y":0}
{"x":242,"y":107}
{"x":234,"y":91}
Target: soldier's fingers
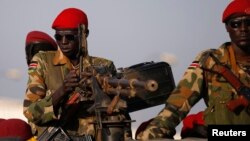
{"x":71,"y":74}
{"x":86,"y":74}
{"x":72,"y":85}
{"x":73,"y":80}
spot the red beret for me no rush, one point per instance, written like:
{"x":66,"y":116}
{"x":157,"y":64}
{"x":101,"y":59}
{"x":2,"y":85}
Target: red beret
{"x":70,"y":18}
{"x":236,"y":6}
{"x":15,"y":128}
{"x":38,"y":36}
{"x":1,"y":119}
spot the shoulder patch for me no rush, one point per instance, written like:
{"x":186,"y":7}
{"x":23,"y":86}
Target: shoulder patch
{"x":194,"y":64}
{"x":32,"y":66}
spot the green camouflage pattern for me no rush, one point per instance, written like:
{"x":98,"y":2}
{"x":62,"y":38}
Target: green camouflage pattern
{"x":199,"y":81}
{"x":44,"y":79}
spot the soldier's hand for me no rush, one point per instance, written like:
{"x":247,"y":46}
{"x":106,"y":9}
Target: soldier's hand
{"x":85,"y":79}
{"x":70,"y":82}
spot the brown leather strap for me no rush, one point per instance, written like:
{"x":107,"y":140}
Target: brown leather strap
{"x":243,"y":100}
{"x":227,"y":74}
{"x":232,"y":59}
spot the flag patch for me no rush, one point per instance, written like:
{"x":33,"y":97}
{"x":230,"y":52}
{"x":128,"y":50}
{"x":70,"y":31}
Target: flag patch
{"x":194,"y":65}
{"x":33,"y":65}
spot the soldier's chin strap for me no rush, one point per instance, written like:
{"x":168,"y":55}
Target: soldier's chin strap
{"x":243,"y":91}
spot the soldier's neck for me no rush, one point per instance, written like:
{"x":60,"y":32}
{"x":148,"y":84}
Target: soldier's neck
{"x":75,"y":62}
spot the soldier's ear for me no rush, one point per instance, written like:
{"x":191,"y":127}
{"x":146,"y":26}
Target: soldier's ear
{"x":87,"y":32}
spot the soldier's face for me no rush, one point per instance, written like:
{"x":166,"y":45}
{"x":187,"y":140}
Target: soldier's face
{"x":238,"y":28}
{"x":67,"y":39}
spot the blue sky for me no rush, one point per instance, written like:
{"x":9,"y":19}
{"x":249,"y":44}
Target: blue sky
{"x":125,"y":31}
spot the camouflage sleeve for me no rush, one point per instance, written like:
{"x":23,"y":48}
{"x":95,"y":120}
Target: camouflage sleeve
{"x":184,"y":96}
{"x":38,"y":102}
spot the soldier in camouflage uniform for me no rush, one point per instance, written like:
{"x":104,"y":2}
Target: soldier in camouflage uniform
{"x":54,"y":75}
{"x":38,"y":41}
{"x":201,"y":81}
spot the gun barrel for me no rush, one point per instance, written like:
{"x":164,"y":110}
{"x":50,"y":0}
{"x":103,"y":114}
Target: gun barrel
{"x":149,"y":85}
{"x":124,"y":92}
{"x":152,"y":85}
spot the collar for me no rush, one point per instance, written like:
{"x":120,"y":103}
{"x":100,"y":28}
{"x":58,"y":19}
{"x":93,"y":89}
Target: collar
{"x":59,"y":58}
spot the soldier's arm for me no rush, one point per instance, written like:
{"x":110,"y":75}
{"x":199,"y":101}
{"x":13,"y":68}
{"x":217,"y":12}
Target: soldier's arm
{"x":185,"y":95}
{"x":38,"y":106}
{"x":70,"y":82}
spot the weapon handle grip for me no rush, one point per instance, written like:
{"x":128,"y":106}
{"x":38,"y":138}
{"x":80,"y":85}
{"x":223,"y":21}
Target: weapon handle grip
{"x":99,"y":135}
{"x":113,"y":104}
{"x":73,"y":98}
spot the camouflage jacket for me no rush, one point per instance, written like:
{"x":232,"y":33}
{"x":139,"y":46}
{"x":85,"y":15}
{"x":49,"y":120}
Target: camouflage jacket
{"x":46,"y":75}
{"x":200,"y":81}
